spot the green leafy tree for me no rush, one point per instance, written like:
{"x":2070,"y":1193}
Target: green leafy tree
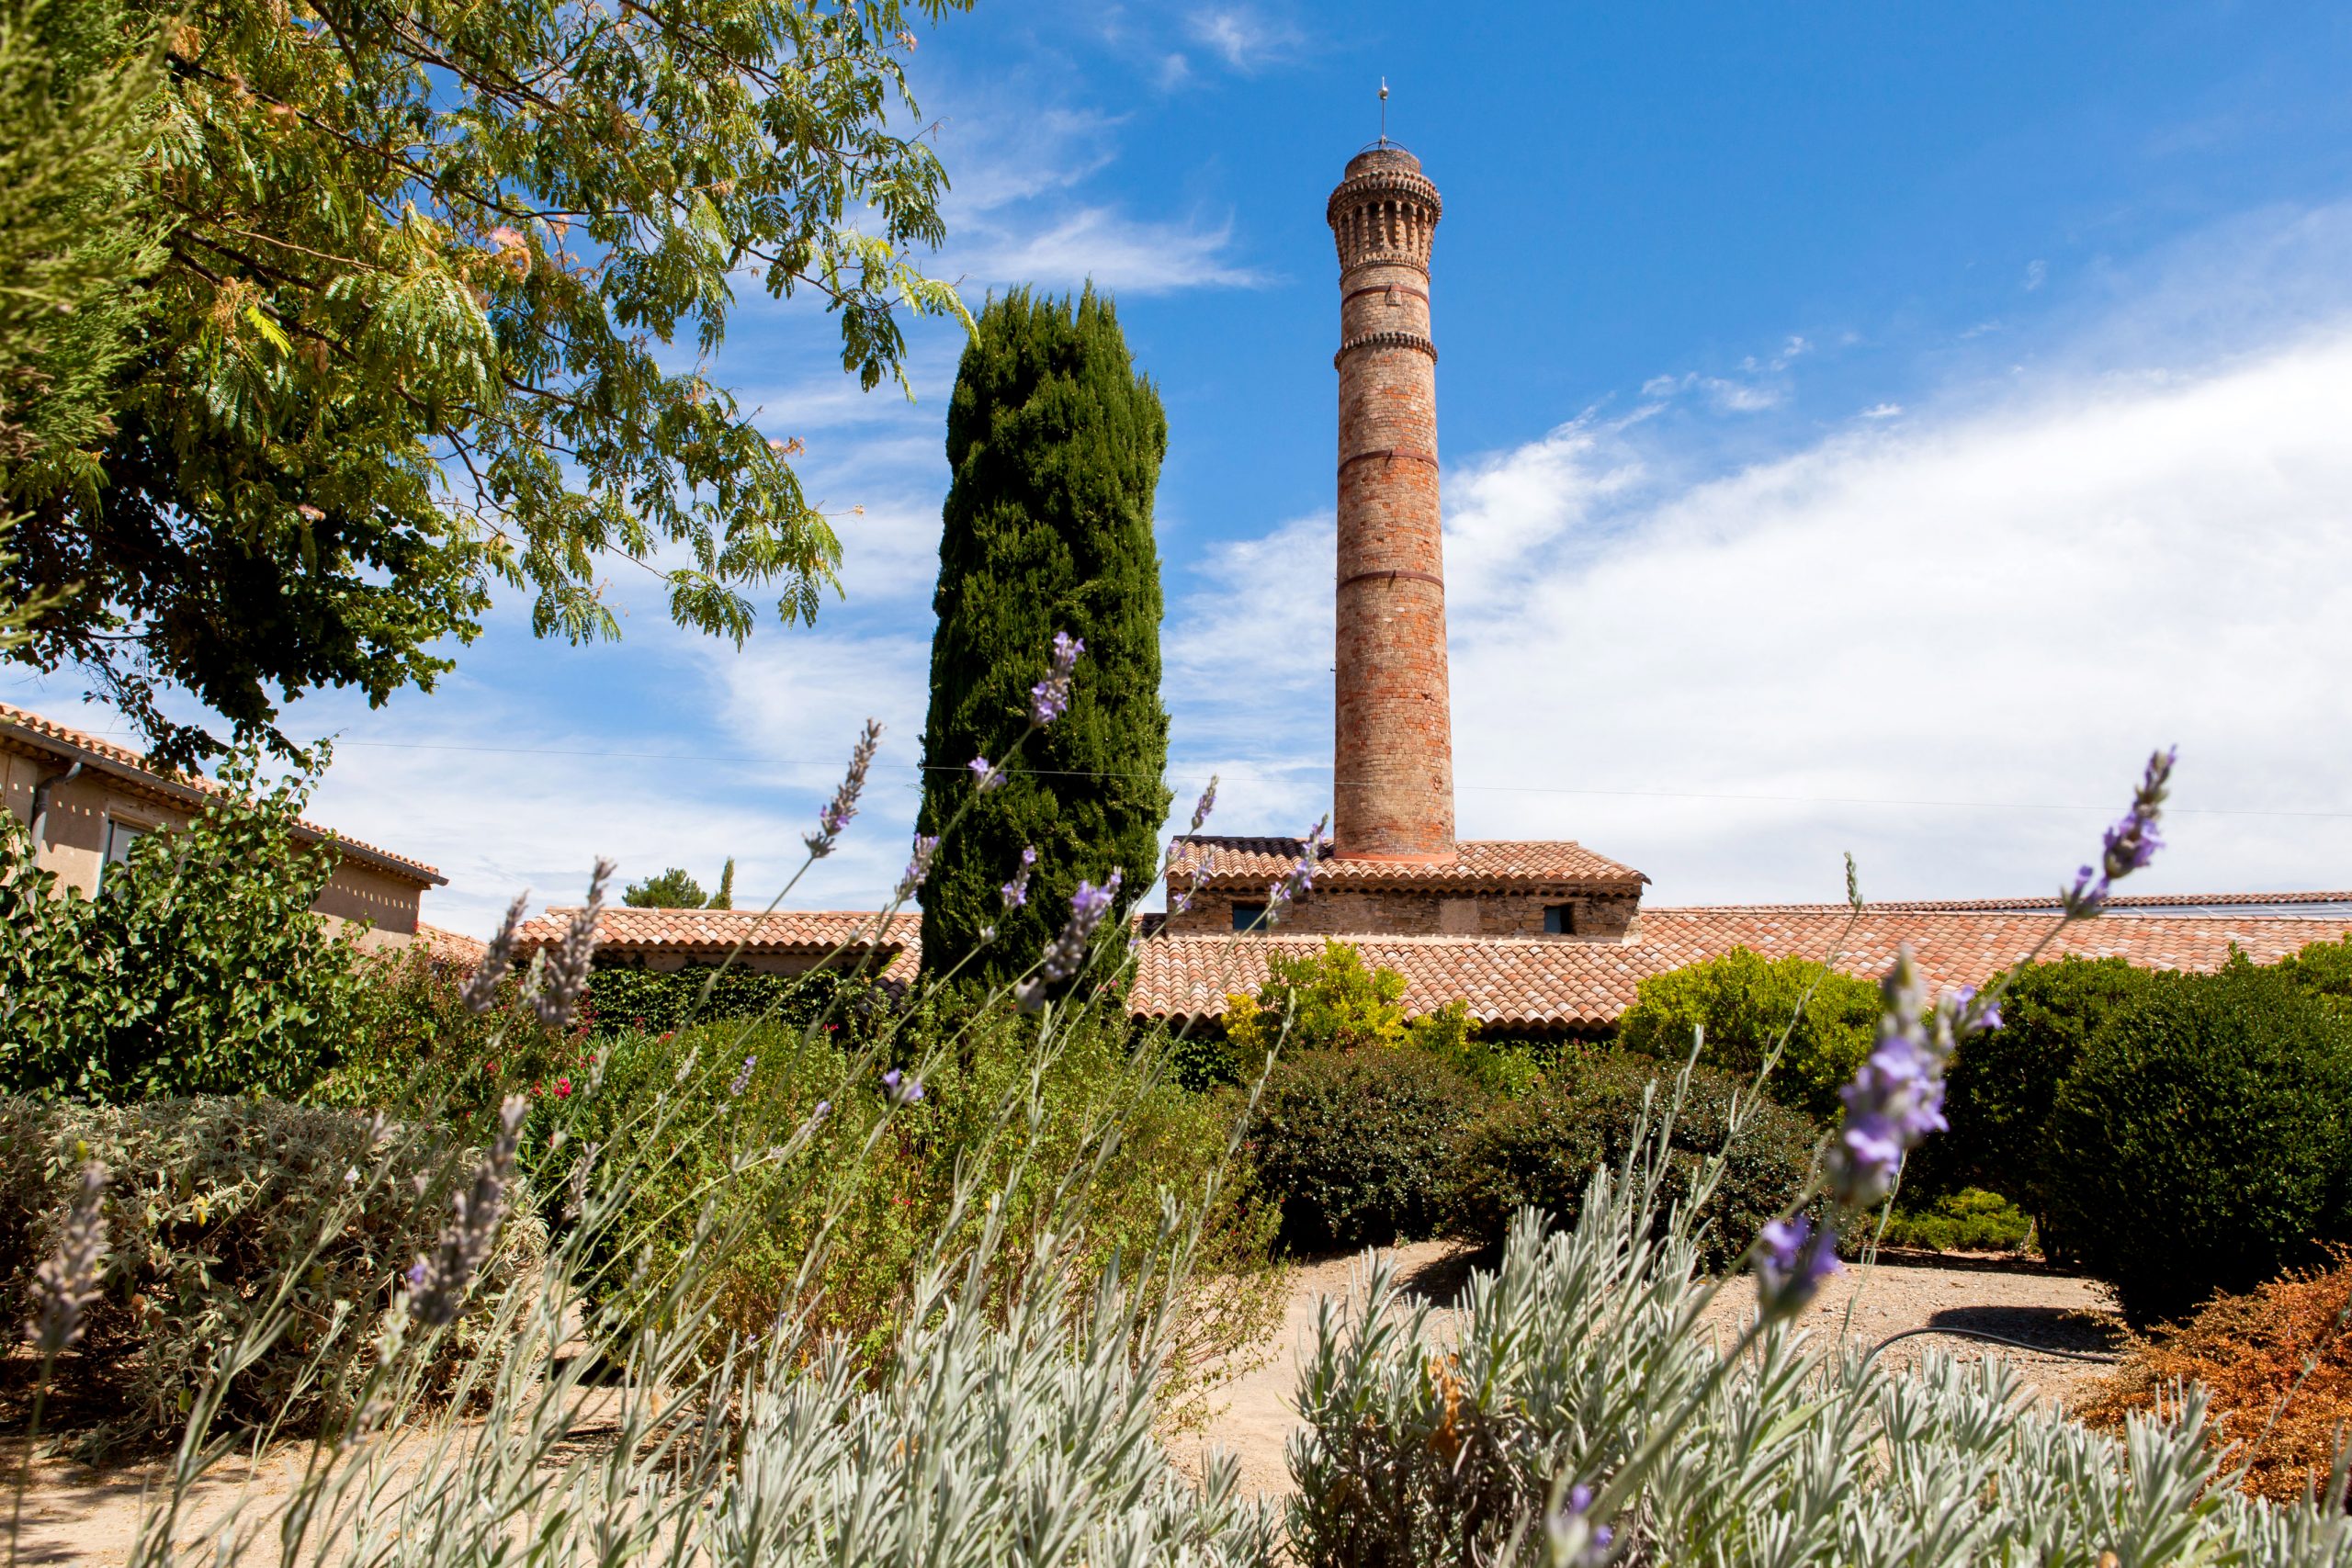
{"x":1745,"y":1001}
{"x":2323,"y":971}
{"x":429,"y":275}
{"x":725,"y":897}
{"x":199,"y":969}
{"x":673,"y":889}
{"x":1054,"y":443}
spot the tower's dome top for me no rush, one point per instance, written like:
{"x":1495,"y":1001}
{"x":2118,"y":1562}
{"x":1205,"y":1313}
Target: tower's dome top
{"x":1383,"y":154}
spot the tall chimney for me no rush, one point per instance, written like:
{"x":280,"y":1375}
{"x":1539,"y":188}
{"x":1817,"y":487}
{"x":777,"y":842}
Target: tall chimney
{"x":1393,"y":792}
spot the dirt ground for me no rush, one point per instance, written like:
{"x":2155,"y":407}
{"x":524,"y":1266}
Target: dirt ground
{"x":74,"y":1514}
{"x":2017,"y":1300}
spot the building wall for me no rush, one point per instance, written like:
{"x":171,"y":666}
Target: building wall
{"x":1513,"y":912}
{"x":80,"y":810}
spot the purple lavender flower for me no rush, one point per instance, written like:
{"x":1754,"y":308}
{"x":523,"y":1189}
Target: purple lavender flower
{"x":438,"y":1284}
{"x":565,"y":979}
{"x":1016,"y":892}
{"x":1049,"y":698}
{"x":482,"y":986}
{"x":67,"y":1281}
{"x":743,"y":1078}
{"x":1792,"y":1260}
{"x":986,"y":775}
{"x":1299,"y":880}
{"x":844,"y":806}
{"x":1206,"y":805}
{"x":1088,"y":907}
{"x":918,"y":866}
{"x":1897,"y":1097}
{"x":903,"y":1090}
{"x":2131,"y":842}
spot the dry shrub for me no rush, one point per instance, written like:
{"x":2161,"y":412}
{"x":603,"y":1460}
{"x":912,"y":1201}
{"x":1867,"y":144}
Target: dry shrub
{"x":2251,"y":1351}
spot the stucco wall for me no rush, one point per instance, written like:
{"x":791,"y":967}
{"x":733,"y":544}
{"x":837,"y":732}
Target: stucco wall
{"x":75,"y":846}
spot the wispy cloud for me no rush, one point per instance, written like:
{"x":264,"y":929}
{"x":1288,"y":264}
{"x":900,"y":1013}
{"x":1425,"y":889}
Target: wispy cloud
{"x":1245,"y":38}
{"x":1117,"y":252}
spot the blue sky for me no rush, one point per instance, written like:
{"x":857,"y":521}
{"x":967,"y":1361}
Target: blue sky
{"x":1866,"y":427}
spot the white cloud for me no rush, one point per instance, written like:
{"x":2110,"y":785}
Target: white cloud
{"x":1246,"y":38}
{"x":2037,"y":273}
{"x":2006,"y":605}
{"x":1883,"y":410}
{"x":1132,"y":255}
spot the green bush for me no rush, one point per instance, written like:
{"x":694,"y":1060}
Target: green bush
{"x":886,"y":1178}
{"x":1542,"y":1150}
{"x":416,"y":1048}
{"x":845,"y":1001}
{"x":199,"y":969}
{"x":2001,"y":1087}
{"x":1358,"y":1146}
{"x":1744,"y":1003}
{"x":2202,"y":1143}
{"x":1971,"y":1220}
{"x":214,"y":1202}
{"x":2323,"y":971}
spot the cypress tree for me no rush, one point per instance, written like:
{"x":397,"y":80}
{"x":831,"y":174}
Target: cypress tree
{"x":1054,"y":443}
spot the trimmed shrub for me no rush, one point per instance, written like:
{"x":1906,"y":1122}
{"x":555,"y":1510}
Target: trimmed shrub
{"x":2001,"y":1087}
{"x":1542,"y":1150}
{"x":213,"y":1204}
{"x":842,"y":1001}
{"x":2277,"y":1365}
{"x":1358,"y":1146}
{"x":2202,"y":1143}
{"x":1744,"y":1002}
{"x":2323,"y":971}
{"x":1971,"y":1220}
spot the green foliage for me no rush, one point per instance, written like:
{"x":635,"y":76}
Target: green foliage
{"x":199,"y":969}
{"x":848,"y":1004}
{"x":1326,"y":1001}
{"x":673,"y":889}
{"x":1745,"y":1003}
{"x":1054,"y":445}
{"x":1543,"y":1148}
{"x":424,"y":324}
{"x":2001,"y":1087}
{"x":215,"y":1205}
{"x":1971,"y":1220}
{"x":2201,"y":1144}
{"x":725,"y":897}
{"x":73,"y":75}
{"x":2323,"y":971}
{"x":887,"y":1176}
{"x":1358,"y":1146}
{"x":415,"y":1048}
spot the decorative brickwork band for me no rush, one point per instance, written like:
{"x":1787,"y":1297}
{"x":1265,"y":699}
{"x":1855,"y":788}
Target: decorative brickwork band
{"x":1393,"y":737}
{"x":1413,"y":341}
{"x":1390,"y":574}
{"x":1392,"y":453}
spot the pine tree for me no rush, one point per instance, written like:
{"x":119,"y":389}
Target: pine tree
{"x":725,"y":897}
{"x":1053,"y":443}
{"x":673,"y":889}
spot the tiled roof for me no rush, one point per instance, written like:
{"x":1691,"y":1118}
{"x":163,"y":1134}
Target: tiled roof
{"x":448,"y":946}
{"x":2244,"y":903}
{"x":1236,"y":863}
{"x":1538,"y":984}
{"x":712,"y":934}
{"x":32,"y":729}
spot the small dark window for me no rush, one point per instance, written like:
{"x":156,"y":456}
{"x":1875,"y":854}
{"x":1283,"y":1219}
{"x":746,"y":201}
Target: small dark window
{"x":1559,"y":920}
{"x":1248,"y":917}
{"x":120,"y":836}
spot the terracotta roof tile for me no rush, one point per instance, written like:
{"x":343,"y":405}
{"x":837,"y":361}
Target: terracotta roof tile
{"x":32,"y":728}
{"x":1540,"y":984}
{"x":448,"y":946}
{"x":713,"y":933}
{"x":1245,"y":862}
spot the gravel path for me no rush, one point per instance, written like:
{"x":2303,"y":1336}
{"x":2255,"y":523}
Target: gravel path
{"x":2000,"y":1295}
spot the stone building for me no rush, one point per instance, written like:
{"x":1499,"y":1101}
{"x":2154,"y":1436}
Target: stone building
{"x":86,"y":800}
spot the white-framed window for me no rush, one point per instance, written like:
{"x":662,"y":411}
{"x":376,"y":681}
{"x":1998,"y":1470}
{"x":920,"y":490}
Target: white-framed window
{"x":120,"y":836}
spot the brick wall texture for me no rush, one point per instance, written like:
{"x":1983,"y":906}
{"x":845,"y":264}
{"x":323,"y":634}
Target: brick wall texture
{"x":1393,"y":794}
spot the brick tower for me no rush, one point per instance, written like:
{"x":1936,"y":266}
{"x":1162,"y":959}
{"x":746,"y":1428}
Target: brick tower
{"x":1393,"y":790}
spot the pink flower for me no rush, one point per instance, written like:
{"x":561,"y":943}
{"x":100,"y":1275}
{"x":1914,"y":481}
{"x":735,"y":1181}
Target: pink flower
{"x":562,"y":1089}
